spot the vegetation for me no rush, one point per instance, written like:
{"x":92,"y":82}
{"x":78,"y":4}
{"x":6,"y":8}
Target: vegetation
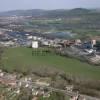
{"x":55,"y":96}
{"x":25,"y":94}
{"x":21,"y":59}
{"x":1,"y":52}
{"x":82,"y":21}
{"x":62,"y":70}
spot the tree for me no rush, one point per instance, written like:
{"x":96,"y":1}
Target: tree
{"x":1,"y":52}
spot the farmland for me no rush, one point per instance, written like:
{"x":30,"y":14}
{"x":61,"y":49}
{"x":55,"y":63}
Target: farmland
{"x":21,"y":58}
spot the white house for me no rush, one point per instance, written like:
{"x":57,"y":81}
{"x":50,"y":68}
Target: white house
{"x":35,"y":44}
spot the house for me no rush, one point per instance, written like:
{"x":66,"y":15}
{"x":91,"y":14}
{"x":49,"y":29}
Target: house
{"x":78,"y":42}
{"x":45,"y":43}
{"x":69,"y":88}
{"x":66,"y":43}
{"x":8,"y":82}
{"x":1,"y":73}
{"x":8,"y":43}
{"x":87,"y":45}
{"x":93,"y":42}
{"x":42,"y":83}
{"x":29,"y":37}
{"x":35,"y":44}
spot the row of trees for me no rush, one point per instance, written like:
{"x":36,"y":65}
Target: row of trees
{"x":1,"y":52}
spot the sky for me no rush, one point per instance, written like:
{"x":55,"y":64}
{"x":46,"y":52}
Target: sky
{"x":6,"y":5}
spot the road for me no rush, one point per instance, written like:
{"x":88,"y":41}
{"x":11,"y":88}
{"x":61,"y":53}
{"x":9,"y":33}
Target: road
{"x":73,"y":94}
{"x":68,"y":93}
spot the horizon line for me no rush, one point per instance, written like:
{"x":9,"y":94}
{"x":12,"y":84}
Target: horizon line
{"x":49,"y":9}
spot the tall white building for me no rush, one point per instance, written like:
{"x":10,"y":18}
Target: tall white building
{"x":35,"y":44}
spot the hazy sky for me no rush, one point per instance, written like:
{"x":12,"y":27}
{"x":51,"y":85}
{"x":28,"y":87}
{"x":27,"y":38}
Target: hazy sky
{"x":47,"y":4}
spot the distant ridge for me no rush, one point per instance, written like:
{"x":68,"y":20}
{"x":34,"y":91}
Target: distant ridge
{"x":80,"y":9}
{"x":47,"y":13}
{"x":22,"y":12}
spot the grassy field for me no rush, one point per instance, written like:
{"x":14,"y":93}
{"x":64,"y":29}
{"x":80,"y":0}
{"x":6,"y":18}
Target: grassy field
{"x":21,"y":58}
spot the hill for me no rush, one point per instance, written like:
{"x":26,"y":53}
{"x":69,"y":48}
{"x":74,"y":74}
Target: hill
{"x":21,"y":59}
{"x":85,"y":22}
{"x":35,"y":12}
{"x":47,"y":13}
{"x":80,"y":10}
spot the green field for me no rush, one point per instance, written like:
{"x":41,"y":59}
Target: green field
{"x":22,"y":59}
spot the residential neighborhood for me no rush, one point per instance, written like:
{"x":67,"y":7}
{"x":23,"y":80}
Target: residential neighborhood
{"x":14,"y":83}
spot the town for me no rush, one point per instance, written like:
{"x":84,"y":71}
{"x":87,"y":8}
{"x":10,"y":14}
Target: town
{"x":12,"y":85}
{"x":49,"y":54}
{"x":88,"y":48}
